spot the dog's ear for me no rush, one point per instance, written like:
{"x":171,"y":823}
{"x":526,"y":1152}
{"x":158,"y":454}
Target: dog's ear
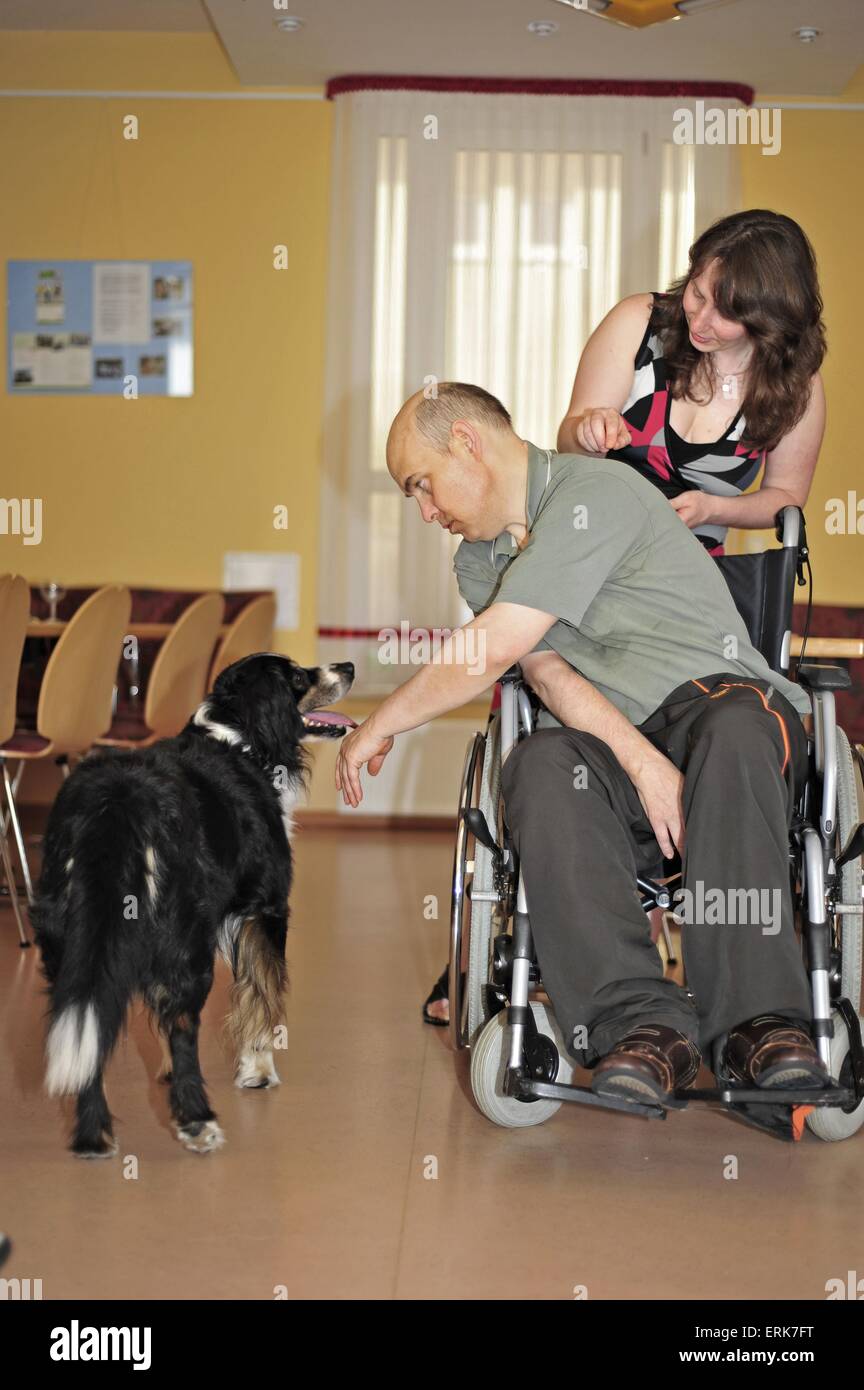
{"x":274,"y":723}
{"x":254,"y":698}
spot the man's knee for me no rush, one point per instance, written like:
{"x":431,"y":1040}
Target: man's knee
{"x":741,"y":726}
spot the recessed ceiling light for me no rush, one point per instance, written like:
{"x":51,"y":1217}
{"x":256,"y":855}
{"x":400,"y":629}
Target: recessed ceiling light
{"x":542,"y":28}
{"x":290,"y":24}
{"x":807,"y":34}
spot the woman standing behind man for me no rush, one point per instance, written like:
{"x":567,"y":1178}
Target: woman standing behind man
{"x":699,"y":387}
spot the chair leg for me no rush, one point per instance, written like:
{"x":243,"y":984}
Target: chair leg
{"x":6,"y":865}
{"x":19,"y":837}
{"x":16,"y":782}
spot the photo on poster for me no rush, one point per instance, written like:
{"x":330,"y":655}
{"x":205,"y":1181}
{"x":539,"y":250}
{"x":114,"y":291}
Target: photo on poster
{"x":50,"y":304}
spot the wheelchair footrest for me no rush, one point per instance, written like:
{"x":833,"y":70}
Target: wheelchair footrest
{"x":756,"y":1095}
{"x":731,"y":1097}
{"x":552,"y":1090}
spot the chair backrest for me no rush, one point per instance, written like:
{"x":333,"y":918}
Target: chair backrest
{"x":178,"y":679}
{"x":76,"y":695}
{"x":14,"y":616}
{"x":250,"y":632}
{"x":763,"y":587}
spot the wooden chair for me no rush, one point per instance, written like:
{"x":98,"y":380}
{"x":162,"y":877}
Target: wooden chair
{"x":250,"y":632}
{"x":178,"y":679}
{"x":14,"y":616}
{"x":75,"y":698}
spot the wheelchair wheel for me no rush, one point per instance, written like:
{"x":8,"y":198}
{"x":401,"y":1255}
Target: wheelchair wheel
{"x":489,"y":1063}
{"x":482,"y":913}
{"x":471,"y":919}
{"x":830,"y":1122}
{"x":850,"y":814}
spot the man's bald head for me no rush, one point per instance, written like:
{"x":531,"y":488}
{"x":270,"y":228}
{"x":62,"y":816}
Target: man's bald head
{"x":456,"y":453}
{"x":428,"y":420}
{"x":401,"y":431}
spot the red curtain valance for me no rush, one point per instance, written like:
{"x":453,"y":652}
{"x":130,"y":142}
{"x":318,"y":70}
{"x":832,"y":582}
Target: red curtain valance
{"x":540,"y":86}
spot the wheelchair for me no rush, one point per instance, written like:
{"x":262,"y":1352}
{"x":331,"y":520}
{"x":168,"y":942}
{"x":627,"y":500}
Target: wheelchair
{"x":521,"y":1072}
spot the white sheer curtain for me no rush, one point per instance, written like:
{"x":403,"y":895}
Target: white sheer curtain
{"x":478,"y":238}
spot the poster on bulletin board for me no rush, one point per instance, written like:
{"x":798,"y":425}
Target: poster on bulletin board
{"x":104,"y":328}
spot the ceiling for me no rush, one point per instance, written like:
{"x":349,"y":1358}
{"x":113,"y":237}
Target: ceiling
{"x":747,"y":41}
{"x":165,"y":16}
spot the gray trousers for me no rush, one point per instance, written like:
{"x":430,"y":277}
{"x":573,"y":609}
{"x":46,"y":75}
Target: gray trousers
{"x":582,"y":835}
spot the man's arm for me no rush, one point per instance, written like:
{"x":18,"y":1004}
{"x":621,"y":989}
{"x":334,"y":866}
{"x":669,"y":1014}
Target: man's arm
{"x":578,"y":704}
{"x":468,"y":662}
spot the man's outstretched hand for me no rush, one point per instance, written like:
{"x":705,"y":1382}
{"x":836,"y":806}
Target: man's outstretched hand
{"x":361,"y":746}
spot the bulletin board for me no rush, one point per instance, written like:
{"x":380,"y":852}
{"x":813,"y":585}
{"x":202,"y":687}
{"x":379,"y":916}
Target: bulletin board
{"x":101,"y":328}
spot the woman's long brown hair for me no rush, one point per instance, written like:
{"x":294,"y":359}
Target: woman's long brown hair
{"x":766,"y":280}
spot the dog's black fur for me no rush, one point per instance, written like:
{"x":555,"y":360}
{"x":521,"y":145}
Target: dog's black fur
{"x":153,"y":860}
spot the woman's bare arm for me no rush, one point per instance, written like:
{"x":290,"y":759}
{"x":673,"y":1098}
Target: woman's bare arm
{"x":593,"y":423}
{"x":788,"y":474}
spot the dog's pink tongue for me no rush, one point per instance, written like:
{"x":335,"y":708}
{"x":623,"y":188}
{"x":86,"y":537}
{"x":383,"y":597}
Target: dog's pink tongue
{"x":332,"y":716}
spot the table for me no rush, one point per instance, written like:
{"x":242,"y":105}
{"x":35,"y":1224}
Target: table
{"x":48,"y":627}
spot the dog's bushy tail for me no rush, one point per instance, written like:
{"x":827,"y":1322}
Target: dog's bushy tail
{"x":91,"y":938}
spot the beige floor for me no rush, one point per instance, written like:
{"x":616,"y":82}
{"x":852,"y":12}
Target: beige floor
{"x":321,"y":1186}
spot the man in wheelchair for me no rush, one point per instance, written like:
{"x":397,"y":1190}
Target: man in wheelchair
{"x":663,"y":732}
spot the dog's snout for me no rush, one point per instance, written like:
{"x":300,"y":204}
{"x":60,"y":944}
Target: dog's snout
{"x":346,"y":668}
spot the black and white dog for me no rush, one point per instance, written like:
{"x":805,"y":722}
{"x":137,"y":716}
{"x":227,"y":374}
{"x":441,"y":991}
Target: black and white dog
{"x":153,"y":861}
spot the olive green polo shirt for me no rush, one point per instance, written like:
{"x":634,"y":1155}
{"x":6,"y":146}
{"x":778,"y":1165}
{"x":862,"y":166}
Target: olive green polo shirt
{"x":641,"y":606}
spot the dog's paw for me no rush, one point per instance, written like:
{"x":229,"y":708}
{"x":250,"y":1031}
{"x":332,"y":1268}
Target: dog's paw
{"x":106,"y":1148}
{"x":255,"y":1071}
{"x":202,"y":1136}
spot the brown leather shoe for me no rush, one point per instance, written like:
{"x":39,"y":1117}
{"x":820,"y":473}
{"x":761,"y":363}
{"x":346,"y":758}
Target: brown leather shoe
{"x":647,"y":1065}
{"x":772,"y":1051}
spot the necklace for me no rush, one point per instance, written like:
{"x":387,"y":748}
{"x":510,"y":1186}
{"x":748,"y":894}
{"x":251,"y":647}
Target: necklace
{"x":728,"y":381}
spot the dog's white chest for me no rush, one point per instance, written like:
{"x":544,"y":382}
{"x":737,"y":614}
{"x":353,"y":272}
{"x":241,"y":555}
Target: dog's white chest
{"x":288,"y":799}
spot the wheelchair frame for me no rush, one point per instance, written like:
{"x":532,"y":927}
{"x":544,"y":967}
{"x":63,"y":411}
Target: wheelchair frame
{"x":532,"y":1058}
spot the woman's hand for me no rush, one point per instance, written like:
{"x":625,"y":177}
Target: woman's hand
{"x":361,"y":746}
{"x":600,"y":429}
{"x":694,"y":508}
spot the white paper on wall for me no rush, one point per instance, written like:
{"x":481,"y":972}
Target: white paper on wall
{"x":261,"y":569}
{"x":121,"y":302}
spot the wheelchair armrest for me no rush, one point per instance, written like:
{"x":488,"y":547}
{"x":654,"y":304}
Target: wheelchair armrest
{"x":512,"y":674}
{"x":815,"y":676}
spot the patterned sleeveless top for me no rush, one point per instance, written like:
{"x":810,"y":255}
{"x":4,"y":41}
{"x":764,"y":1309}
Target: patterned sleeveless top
{"x":725,"y":468}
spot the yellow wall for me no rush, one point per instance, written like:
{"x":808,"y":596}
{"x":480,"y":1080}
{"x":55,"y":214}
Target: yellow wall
{"x":155,"y":491}
{"x":816,"y":179}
